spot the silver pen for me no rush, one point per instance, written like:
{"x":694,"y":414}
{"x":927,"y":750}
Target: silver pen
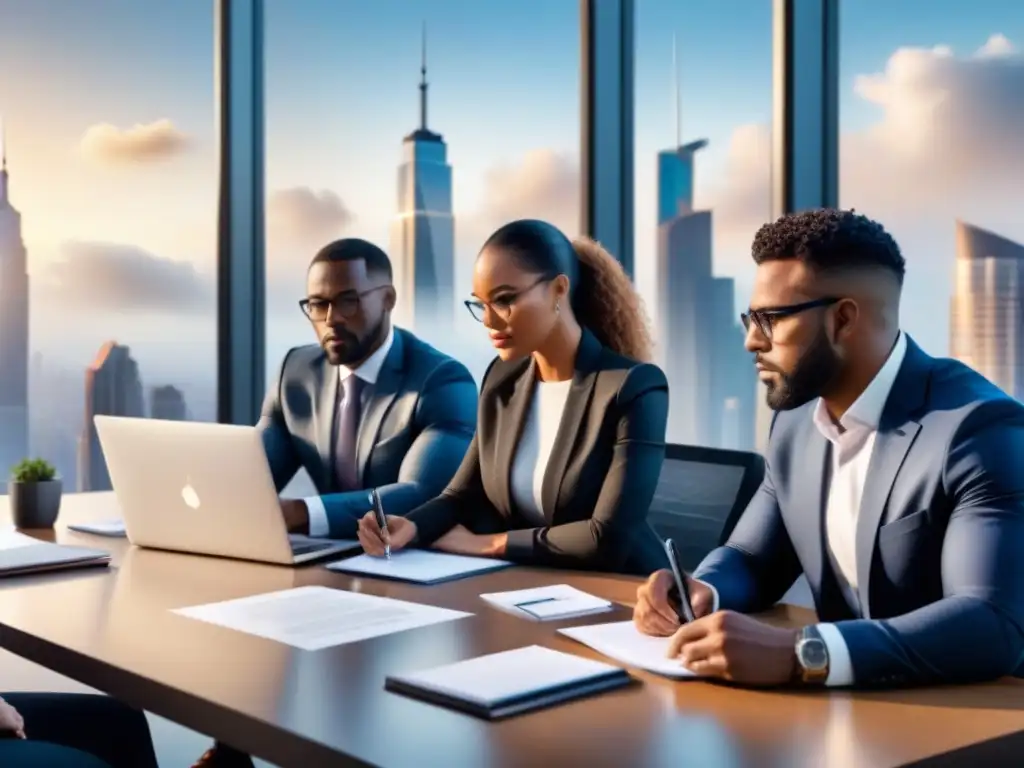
{"x":382,"y":521}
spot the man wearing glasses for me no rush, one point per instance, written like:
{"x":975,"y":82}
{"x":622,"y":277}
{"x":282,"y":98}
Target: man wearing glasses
{"x":893,"y":482}
{"x":371,"y":406}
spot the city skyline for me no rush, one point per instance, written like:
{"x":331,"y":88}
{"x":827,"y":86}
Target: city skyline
{"x":117,"y":184}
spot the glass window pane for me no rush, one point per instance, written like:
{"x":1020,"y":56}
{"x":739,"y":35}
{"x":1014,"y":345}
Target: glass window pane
{"x":932,"y":106}
{"x":702,"y":165}
{"x":108,"y":211}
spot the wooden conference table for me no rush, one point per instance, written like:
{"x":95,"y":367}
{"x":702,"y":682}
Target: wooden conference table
{"x":112,"y":629}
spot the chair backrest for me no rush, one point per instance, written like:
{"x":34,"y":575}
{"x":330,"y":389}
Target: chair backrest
{"x":701,"y":494}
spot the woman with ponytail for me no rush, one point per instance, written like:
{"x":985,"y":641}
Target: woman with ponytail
{"x":571,"y":426}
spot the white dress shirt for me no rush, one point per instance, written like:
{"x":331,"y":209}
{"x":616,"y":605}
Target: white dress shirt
{"x":534,"y":447}
{"x":368,"y":371}
{"x":853,"y":441}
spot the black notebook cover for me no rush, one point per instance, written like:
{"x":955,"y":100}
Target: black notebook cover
{"x":468,"y":686}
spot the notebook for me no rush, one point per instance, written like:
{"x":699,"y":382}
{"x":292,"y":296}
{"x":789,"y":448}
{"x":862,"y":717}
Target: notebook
{"x":21,"y":554}
{"x":419,"y":566}
{"x":113,"y":528}
{"x":509,"y":683}
{"x":623,"y":642}
{"x":557,"y":601}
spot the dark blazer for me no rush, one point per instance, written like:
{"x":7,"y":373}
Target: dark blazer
{"x":601,"y":474}
{"x":413,"y":432}
{"x":940,"y":536}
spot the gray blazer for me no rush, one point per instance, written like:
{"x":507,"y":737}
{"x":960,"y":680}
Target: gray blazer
{"x":414,"y":430}
{"x":940,"y":536}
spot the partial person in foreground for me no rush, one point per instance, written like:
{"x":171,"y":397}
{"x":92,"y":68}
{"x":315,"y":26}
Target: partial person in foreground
{"x":370,"y":406}
{"x":70,"y":730}
{"x":893,"y":482}
{"x":571,"y":429}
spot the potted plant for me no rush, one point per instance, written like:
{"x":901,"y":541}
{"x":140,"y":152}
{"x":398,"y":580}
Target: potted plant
{"x":35,"y":492}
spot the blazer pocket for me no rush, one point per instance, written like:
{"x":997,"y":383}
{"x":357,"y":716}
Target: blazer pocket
{"x":898,"y":528}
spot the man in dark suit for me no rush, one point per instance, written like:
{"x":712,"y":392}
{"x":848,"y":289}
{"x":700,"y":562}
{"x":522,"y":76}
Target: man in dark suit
{"x":370,"y":406}
{"x":893,"y":482}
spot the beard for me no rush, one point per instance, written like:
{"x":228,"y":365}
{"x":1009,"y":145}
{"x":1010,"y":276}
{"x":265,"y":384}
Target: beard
{"x":810,"y":377}
{"x":352,"y":348}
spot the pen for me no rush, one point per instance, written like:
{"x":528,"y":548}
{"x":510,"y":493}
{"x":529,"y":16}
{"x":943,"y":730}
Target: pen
{"x":685,"y":607}
{"x":382,"y":522}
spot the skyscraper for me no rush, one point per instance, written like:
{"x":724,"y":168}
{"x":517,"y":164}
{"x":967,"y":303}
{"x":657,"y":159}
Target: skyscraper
{"x":167,"y":402}
{"x":112,"y":387}
{"x":14,"y":307}
{"x":987,"y":308}
{"x":423,"y":234}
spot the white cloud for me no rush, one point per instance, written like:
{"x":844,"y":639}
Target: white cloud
{"x":303,"y":218}
{"x":140,"y":143}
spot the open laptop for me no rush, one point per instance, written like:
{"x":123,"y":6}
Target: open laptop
{"x":201,"y":488}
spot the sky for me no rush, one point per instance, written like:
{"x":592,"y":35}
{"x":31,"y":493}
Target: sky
{"x":112,"y":152}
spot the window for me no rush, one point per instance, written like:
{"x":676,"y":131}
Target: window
{"x":107,"y":224}
{"x":421,"y":127}
{"x":931,"y":146}
{"x":702,"y":166}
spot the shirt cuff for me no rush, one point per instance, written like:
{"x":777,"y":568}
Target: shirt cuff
{"x":318,"y":525}
{"x":714,"y":595}
{"x":840,"y":667}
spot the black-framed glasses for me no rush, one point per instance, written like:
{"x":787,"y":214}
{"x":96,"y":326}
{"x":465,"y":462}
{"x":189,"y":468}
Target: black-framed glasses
{"x":501,"y":305}
{"x":765,"y":319}
{"x":346,"y":304}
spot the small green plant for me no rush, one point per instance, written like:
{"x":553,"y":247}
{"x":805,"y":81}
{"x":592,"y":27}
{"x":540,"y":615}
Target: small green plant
{"x":33,"y":471}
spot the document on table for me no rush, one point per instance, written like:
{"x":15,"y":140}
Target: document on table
{"x":418,"y":565}
{"x":316,"y":617}
{"x":557,"y":601}
{"x":114,"y":528}
{"x":623,"y":642}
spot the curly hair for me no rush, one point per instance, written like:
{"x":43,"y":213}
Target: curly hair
{"x":606,"y":302}
{"x":828,"y":239}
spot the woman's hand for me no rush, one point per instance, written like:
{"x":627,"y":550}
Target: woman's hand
{"x":460,"y":541}
{"x":399,"y":534}
{"x":11,"y":721}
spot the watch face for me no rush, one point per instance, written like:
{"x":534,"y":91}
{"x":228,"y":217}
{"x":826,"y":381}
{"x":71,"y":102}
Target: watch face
{"x":813,"y":654}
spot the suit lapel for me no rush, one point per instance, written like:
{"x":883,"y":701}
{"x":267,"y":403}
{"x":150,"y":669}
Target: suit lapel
{"x":896,"y":433}
{"x":509,"y":427}
{"x":581,"y":392}
{"x":326,"y":413}
{"x":809,"y":488}
{"x":389,"y":381}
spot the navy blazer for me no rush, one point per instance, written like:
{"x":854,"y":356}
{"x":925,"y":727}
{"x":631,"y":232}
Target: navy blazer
{"x":413,"y":430}
{"x":601,"y":474}
{"x":940,"y":534}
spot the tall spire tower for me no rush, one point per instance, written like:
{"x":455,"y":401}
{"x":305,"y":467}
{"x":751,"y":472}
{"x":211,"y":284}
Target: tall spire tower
{"x":14,"y":358}
{"x":423,"y":233}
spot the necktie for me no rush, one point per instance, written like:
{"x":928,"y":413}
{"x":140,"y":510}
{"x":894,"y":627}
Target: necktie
{"x":348,"y":432}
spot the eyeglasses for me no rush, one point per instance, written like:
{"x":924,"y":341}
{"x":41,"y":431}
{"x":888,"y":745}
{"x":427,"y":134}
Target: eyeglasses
{"x":345,"y":304}
{"x":502,"y":305}
{"x":765,"y":319}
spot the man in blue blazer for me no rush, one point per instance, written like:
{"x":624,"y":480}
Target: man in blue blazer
{"x":370,"y":406}
{"x":894,"y":481}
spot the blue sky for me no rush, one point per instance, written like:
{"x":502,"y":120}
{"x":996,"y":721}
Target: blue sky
{"x":341,"y":92}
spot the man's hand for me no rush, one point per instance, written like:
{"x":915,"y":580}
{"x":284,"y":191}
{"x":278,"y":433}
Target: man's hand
{"x":11,"y":721}
{"x":734,"y":647}
{"x":654,"y":613}
{"x":461,"y":541}
{"x":296,"y":515}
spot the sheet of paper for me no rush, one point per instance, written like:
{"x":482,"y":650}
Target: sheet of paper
{"x":418,"y":565}
{"x":623,"y":642}
{"x":550,"y":602}
{"x":316,"y":617}
{"x":101,"y":527}
{"x":11,"y":538}
{"x":489,"y":680}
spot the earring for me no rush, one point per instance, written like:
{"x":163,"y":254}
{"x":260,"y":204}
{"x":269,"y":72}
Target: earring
{"x":558,"y":307}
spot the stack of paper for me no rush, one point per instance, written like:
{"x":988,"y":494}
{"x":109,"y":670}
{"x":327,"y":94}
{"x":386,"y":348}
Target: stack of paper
{"x":557,"y":601}
{"x":114,"y":528}
{"x":623,"y":642}
{"x":418,"y":566}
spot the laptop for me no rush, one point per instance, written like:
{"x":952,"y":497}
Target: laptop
{"x":201,"y":488}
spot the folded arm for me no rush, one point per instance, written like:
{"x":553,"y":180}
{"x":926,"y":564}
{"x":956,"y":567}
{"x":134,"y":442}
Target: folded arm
{"x":603,"y":542}
{"x":976,"y":631}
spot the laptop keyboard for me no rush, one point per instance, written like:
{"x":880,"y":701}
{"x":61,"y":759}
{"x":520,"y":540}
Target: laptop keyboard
{"x":305,"y":547}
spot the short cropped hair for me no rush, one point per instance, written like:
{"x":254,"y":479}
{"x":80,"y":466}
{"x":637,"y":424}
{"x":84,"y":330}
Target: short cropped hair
{"x":829,"y":239}
{"x":355,"y":249}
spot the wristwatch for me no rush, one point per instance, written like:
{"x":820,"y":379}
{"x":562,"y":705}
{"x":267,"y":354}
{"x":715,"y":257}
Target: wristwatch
{"x":811,"y":657}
